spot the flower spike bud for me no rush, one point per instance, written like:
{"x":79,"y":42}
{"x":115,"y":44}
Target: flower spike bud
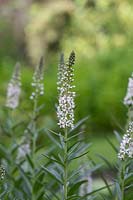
{"x":37,"y":82}
{"x":71,"y":60}
{"x":61,"y":68}
{"x":14,"y":88}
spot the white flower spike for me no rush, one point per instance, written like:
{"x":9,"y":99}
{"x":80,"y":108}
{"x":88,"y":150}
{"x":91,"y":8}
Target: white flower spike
{"x":128,"y":100}
{"x":65,"y":109}
{"x":126,"y":146}
{"x":14,"y":89}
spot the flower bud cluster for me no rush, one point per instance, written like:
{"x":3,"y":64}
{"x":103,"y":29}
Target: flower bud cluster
{"x":126,"y":146}
{"x":14,"y":89}
{"x":2,"y":172}
{"x":37,"y":82}
{"x":65,"y":109}
{"x":128,"y":100}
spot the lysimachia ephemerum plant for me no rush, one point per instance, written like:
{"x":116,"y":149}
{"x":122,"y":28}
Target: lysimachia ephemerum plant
{"x":8,"y":155}
{"x":24,"y":179}
{"x":124,"y":186}
{"x":120,"y":187}
{"x":62,"y":163}
{"x":33,"y":176}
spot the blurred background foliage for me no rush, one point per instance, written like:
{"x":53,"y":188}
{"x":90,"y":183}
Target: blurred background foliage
{"x":101,"y":34}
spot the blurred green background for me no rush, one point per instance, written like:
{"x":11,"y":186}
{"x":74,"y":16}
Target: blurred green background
{"x":101,"y":34}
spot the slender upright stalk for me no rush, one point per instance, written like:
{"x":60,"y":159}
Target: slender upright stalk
{"x":34,"y":136}
{"x":65,"y":165}
{"x":37,"y":84}
{"x":122,"y":181}
{"x":65,"y":109}
{"x":34,"y":127}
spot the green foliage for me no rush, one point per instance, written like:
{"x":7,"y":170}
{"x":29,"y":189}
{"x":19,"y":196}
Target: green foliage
{"x":41,"y":173}
{"x":104,"y":47}
{"x":76,"y":149}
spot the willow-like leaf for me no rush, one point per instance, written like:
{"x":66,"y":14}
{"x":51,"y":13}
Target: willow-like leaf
{"x":26,"y":179}
{"x":29,"y":159}
{"x":75,"y":187}
{"x":53,"y":174}
{"x":112,"y":145}
{"x":52,"y":159}
{"x":79,"y":156}
{"x":78,"y":124}
{"x":75,"y":135}
{"x":105,"y":160}
{"x":53,"y":139}
{"x":97,"y":190}
{"x":117,"y":136}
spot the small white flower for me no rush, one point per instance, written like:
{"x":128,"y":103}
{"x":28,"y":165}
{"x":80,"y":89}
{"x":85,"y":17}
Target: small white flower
{"x":126,"y":146}
{"x":14,"y":90}
{"x":128,"y":100}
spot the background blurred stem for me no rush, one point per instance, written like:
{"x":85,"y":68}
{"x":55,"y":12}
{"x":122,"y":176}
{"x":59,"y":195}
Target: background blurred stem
{"x":33,"y":139}
{"x":34,"y":126}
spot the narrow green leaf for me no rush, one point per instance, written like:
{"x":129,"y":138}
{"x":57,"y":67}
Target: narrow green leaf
{"x":26,"y":179}
{"x":105,"y":160}
{"x":53,"y":139}
{"x":73,"y":148}
{"x":112,"y":145}
{"x":74,"y":189}
{"x":57,"y":134}
{"x":62,"y":141}
{"x":76,"y":157}
{"x":76,"y":135}
{"x":53,"y":174}
{"x":30,"y":161}
{"x":79,"y":123}
{"x":53,"y":159}
{"x":118,"y":191}
{"x":97,"y":190}
{"x":117,"y":136}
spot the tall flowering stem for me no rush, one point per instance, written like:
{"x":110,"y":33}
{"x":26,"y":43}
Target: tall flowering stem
{"x":125,"y":154}
{"x":65,"y":109}
{"x":38,"y":90}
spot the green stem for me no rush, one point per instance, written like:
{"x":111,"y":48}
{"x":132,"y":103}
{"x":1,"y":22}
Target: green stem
{"x":65,"y":165}
{"x":34,"y":137}
{"x":34,"y":127}
{"x":122,"y":181}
